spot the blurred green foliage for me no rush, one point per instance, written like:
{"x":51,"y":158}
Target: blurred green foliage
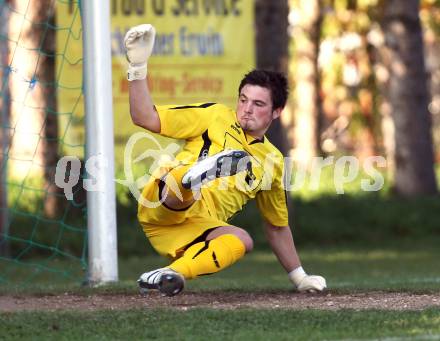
{"x":321,"y":218}
{"x":30,"y":232}
{"x":318,"y":217}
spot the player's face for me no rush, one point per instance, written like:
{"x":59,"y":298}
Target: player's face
{"x":254,"y":110}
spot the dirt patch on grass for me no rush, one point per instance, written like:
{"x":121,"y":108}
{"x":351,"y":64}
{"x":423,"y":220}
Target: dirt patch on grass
{"x":222,"y":300}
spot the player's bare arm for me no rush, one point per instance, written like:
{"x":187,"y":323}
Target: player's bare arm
{"x":139,"y":42}
{"x":281,"y":241}
{"x":142,"y":110}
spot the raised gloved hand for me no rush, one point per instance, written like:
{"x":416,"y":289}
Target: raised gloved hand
{"x":139,"y":42}
{"x":307,"y":283}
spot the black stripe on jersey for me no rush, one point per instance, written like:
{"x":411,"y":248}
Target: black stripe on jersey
{"x":224,"y":139}
{"x":257,"y":141}
{"x":206,"y":145}
{"x":204,"y":105}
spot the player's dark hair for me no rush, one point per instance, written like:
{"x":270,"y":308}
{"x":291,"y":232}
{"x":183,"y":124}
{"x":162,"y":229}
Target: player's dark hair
{"x":276,"y":82}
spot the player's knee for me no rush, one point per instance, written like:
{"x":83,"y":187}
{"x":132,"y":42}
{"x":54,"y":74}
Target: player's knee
{"x":240,"y":233}
{"x":247,"y":240}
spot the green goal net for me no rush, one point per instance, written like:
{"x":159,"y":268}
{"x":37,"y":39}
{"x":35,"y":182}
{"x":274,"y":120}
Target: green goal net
{"x":43,"y":235}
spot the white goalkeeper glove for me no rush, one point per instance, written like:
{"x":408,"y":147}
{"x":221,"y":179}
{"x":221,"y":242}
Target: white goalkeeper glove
{"x":307,"y":283}
{"x":139,"y":42}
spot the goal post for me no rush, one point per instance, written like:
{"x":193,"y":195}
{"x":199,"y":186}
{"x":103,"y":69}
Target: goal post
{"x":101,"y":197}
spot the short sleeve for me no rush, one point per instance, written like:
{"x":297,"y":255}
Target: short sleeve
{"x":187,"y":121}
{"x":272,"y":202}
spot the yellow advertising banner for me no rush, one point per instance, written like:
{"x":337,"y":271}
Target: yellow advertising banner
{"x":202,"y":50}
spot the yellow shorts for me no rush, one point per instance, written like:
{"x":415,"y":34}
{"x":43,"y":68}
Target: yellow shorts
{"x":171,"y":231}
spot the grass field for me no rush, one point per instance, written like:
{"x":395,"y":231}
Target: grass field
{"x":241,"y":324}
{"x":411,"y":268}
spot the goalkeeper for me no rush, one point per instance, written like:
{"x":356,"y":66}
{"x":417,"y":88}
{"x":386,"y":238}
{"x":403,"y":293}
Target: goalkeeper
{"x":225,"y":162}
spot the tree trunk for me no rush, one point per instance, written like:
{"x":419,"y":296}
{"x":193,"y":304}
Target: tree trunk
{"x":381,"y":62}
{"x":408,"y":96}
{"x":4,"y":131}
{"x":272,"y":42}
{"x":308,"y":104}
{"x":432,"y":51}
{"x":46,"y":72}
{"x":33,"y":90}
{"x":272,"y":54}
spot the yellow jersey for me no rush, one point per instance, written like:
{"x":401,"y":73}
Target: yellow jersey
{"x":209,"y":128}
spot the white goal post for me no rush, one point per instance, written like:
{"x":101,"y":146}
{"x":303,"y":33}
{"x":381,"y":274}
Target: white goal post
{"x":101,"y":203}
